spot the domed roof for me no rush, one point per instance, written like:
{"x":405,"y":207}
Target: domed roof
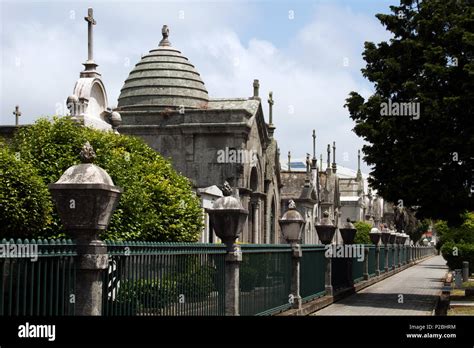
{"x":163,"y":78}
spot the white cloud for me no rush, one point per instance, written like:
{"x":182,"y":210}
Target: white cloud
{"x":307,"y":76}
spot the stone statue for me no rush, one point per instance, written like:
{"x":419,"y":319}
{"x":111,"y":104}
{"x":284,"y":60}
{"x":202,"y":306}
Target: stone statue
{"x":291,"y":204}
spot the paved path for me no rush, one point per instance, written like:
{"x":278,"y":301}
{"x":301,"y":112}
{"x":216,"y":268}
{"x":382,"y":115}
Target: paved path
{"x":410,"y":292}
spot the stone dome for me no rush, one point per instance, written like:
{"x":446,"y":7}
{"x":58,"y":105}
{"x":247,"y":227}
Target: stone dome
{"x":85,"y":173}
{"x":163,"y":78}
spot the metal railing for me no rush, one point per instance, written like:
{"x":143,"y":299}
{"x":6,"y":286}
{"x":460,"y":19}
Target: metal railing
{"x":371,"y":260}
{"x":176,"y":279}
{"x":313,"y":267}
{"x":37,"y":278}
{"x":146,"y":278}
{"x":265,"y":279}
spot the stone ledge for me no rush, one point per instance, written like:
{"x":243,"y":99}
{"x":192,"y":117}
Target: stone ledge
{"x":324,"y":301}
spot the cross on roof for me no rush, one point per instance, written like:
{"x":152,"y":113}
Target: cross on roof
{"x":270,"y":103}
{"x":90,"y":65}
{"x":17,"y":114}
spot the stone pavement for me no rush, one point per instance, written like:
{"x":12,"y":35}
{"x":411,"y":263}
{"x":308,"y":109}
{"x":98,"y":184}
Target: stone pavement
{"x":413,"y":291}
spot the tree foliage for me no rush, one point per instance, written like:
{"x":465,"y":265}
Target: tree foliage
{"x":363,"y":230}
{"x":426,"y":162}
{"x":157,"y":203}
{"x":25,"y":207}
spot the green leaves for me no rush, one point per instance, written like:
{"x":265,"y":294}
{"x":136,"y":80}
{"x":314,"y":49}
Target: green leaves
{"x":150,"y":206}
{"x":25,"y":203}
{"x":429,"y":60}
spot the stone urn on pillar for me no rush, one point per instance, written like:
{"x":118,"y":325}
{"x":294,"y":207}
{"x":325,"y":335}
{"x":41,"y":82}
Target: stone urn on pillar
{"x":227,"y":218}
{"x":385,"y":238}
{"x":291,"y":225}
{"x":375,"y":237}
{"x":326,"y":230}
{"x":348,"y":232}
{"x":85,"y":198}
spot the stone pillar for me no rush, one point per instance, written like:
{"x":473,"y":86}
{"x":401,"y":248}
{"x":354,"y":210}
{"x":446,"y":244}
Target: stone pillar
{"x":92,"y":261}
{"x":297,"y":254}
{"x":393,"y":256}
{"x":255,"y":222}
{"x":233,"y":259}
{"x":85,"y":210}
{"x":328,"y":277}
{"x":387,"y":250}
{"x":399,"y":255}
{"x":366,"y":263}
{"x":377,"y":260}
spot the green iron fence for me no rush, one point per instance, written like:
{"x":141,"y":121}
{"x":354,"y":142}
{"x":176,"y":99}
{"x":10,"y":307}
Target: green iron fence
{"x":357,"y":270}
{"x":147,"y":278}
{"x":265,"y":279}
{"x":390,"y":256}
{"x":312,"y":271}
{"x":382,"y":258}
{"x":37,"y":278}
{"x":371,"y":260}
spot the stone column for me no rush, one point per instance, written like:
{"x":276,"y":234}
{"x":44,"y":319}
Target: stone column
{"x":297,"y":254}
{"x":377,"y":260}
{"x":328,"y":277}
{"x":366,"y":263}
{"x":393,"y":256}
{"x":387,"y":250}
{"x":232,"y":281}
{"x":255,"y":222}
{"x":92,"y":260}
{"x":399,"y":255}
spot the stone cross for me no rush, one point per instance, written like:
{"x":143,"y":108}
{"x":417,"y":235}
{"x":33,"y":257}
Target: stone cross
{"x":314,"y":144}
{"x":358,"y":160}
{"x":329,"y":155}
{"x":308,"y":164}
{"x":289,"y":161}
{"x":270,"y":103}
{"x":256,"y":86}
{"x":17,"y":114}
{"x":90,"y":42}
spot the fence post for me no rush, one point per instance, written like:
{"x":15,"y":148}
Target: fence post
{"x":227,"y":218}
{"x":366,"y":263}
{"x":377,"y":260}
{"x":85,"y":210}
{"x":297,"y":254}
{"x":399,"y":255}
{"x":233,"y":258}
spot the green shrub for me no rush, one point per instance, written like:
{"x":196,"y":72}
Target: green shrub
{"x":25,"y":207}
{"x":456,"y":253}
{"x":145,"y":293}
{"x":363,"y":230}
{"x":157,"y":203}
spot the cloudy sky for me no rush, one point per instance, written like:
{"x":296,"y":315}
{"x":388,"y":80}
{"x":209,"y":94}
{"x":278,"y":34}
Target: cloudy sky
{"x":307,"y":52}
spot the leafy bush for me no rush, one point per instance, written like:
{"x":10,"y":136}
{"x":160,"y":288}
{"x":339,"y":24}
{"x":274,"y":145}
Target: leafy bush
{"x":456,"y":253}
{"x":157,"y":203}
{"x":25,"y":207}
{"x":363,"y":230}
